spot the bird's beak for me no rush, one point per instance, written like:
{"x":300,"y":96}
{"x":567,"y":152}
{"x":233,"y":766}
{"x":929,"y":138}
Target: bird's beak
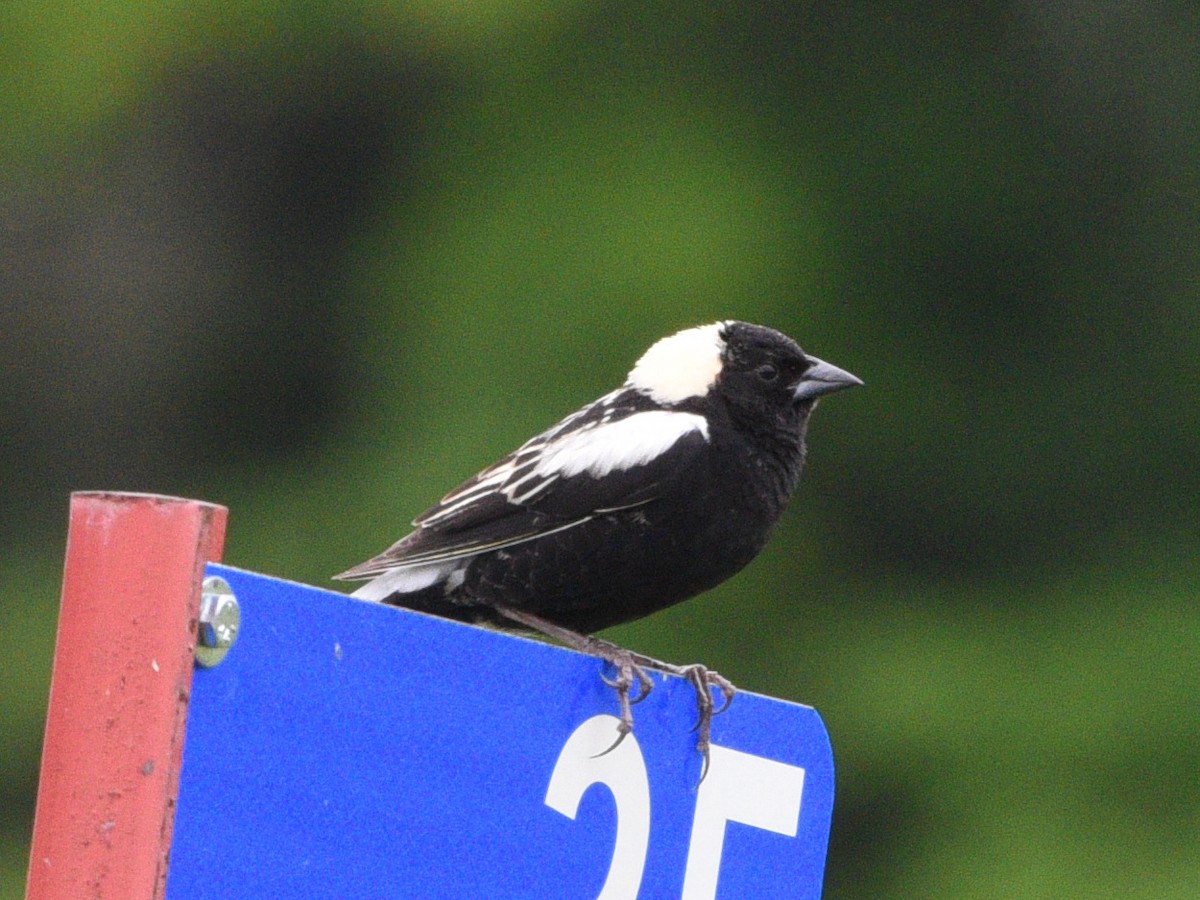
{"x":822,"y":378}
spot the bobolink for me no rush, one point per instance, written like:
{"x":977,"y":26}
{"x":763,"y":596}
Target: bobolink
{"x":645,"y":497}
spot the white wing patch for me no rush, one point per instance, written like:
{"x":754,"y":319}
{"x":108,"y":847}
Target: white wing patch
{"x":509,"y":474}
{"x":623,"y":444}
{"x":595,"y":449}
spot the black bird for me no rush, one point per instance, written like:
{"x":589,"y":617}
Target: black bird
{"x":645,"y":497}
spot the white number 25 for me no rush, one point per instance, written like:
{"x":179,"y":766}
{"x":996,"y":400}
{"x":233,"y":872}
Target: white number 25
{"x":739,"y":787}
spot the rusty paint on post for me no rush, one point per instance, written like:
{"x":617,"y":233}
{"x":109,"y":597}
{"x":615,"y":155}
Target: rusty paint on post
{"x":123,"y":666}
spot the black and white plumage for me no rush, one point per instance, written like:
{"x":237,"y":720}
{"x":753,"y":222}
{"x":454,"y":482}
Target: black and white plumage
{"x":643,"y":498}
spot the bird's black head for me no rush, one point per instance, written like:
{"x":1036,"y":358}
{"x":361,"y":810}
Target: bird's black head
{"x":768,"y":371}
{"x":760,"y":371}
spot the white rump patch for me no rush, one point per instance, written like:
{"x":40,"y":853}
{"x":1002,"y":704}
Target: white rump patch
{"x":406,"y":579}
{"x":632,"y":441}
{"x":680,"y":366}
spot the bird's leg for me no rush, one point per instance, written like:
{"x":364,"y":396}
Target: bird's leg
{"x":626,"y":663}
{"x":630,"y":665}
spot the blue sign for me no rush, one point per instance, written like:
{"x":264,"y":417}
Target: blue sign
{"x":346,"y":749}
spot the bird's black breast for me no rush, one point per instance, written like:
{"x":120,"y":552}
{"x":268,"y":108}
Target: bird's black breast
{"x":706,"y":525}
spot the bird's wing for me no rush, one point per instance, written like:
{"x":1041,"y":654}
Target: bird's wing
{"x":609,"y":456}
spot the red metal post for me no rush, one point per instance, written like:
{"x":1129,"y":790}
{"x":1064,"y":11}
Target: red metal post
{"x":119,"y":694}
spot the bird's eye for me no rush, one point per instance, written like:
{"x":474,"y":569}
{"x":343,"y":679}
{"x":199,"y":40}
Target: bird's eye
{"x":768,"y":372}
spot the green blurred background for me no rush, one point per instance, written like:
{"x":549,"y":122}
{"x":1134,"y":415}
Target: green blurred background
{"x":319,"y":264}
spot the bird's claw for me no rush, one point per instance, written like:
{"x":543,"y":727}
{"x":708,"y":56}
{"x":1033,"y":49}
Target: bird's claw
{"x":627,"y":672}
{"x":702,"y":680}
{"x":623,"y":728}
{"x":624,"y":681}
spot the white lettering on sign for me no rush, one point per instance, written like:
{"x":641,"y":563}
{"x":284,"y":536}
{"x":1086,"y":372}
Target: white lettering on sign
{"x":584,"y":762}
{"x":743,"y":788}
{"x":739,"y":787}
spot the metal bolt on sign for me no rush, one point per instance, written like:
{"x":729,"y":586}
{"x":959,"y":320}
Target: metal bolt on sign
{"x":220,"y":619}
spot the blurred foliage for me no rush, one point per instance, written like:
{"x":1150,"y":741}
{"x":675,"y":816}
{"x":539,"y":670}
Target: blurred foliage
{"x":320,"y":263}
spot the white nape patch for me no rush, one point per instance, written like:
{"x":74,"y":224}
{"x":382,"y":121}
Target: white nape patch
{"x":405,"y":580}
{"x":632,"y":441}
{"x":680,"y":366}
